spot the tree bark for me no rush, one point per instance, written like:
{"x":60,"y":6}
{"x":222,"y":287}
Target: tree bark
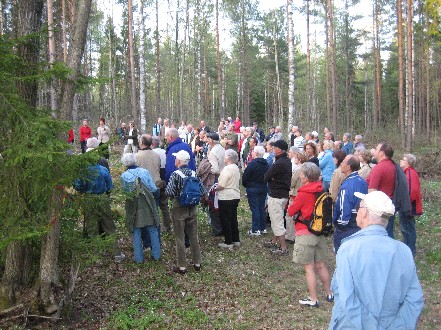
{"x":219,"y":70}
{"x":400,"y":72}
{"x":132,"y":64}
{"x":158,"y":64}
{"x":291,"y":73}
{"x":142,"y":109}
{"x":51,"y":46}
{"x":410,"y":93}
{"x":75,"y":55}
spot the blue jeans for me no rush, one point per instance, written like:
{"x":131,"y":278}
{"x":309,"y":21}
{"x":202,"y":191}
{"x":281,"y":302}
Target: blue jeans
{"x":407,"y":226}
{"x":256,"y":200}
{"x":390,"y":227}
{"x":148,"y":233}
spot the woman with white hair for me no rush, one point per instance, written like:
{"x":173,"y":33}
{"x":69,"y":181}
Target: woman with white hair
{"x":257,"y":189}
{"x":229,"y":197}
{"x":142,"y":217}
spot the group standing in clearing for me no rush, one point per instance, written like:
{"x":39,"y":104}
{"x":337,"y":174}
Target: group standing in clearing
{"x":176,"y":170}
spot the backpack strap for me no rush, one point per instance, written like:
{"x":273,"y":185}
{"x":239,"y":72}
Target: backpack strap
{"x":182,"y":175}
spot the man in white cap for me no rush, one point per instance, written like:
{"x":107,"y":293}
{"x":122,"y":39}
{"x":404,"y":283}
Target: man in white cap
{"x":375,"y":283}
{"x":184,"y":217}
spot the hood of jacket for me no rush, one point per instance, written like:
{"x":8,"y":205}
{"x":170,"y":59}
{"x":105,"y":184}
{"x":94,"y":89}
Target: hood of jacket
{"x":311,"y":188}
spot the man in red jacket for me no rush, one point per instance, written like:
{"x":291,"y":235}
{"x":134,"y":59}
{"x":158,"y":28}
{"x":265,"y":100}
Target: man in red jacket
{"x":85,"y":133}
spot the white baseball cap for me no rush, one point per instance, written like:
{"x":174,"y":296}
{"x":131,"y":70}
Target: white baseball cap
{"x":378,"y":203}
{"x":182,"y":155}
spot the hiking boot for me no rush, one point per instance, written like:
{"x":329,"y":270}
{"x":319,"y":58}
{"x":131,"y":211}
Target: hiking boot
{"x":308,"y":302}
{"x":269,"y":244}
{"x":197,"y":268}
{"x":330,"y":297}
{"x":253,"y":233}
{"x":289,"y":241}
{"x":280,"y":252}
{"x":225,"y":246}
{"x":236,"y":244}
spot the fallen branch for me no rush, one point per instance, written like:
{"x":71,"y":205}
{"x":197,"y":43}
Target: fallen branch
{"x":6,"y":311}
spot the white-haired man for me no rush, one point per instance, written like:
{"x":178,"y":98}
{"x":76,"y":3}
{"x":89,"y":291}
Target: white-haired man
{"x":184,"y":217}
{"x":375,"y":283}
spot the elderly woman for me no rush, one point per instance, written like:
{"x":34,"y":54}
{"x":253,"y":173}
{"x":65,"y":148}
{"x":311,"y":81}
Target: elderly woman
{"x":298,"y":159}
{"x":407,"y":222}
{"x":142,"y":218}
{"x":309,"y":249}
{"x":338,"y":176}
{"x":257,"y":189}
{"x":229,"y":196}
{"x":311,"y":152}
{"x":251,"y":144}
{"x":365,"y":158}
{"x":326,"y":164}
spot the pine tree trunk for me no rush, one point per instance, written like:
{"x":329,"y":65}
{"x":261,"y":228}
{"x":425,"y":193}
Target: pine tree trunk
{"x":409,"y":73}
{"x":158,"y":65}
{"x":142,"y":109}
{"x":400,"y":72}
{"x":219,"y":70}
{"x":333,"y":65}
{"x":291,"y":73}
{"x":427,"y":77}
{"x":132,"y":64}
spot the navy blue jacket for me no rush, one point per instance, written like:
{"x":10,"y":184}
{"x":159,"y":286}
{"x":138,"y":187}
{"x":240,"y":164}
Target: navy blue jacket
{"x":253,"y":174}
{"x":172,"y":148}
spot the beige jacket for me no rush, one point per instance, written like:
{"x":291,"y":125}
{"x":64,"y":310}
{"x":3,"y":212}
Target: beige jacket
{"x":151,"y":161}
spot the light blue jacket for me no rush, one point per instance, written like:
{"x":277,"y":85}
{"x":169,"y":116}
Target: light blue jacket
{"x":327,"y":165}
{"x":375,"y":283}
{"x":129,"y":177}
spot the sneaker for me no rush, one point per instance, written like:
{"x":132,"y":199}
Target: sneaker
{"x":236,"y":244}
{"x":119,"y":258}
{"x":269,"y":244}
{"x":264,"y":232}
{"x":280,"y":252}
{"x":308,"y":302}
{"x":147,"y":249}
{"x":225,"y":246}
{"x":253,"y":233}
{"x":179,"y":270}
{"x":289,"y":241}
{"x":197,"y":268}
{"x":330,"y":297}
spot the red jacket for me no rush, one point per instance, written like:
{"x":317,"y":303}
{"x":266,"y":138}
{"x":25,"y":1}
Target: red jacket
{"x":85,"y":133}
{"x":237,"y":125}
{"x":71,"y":137}
{"x":413,"y":181}
{"x":304,"y":203}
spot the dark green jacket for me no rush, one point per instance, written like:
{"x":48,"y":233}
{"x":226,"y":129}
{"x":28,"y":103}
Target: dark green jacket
{"x":141,"y":209}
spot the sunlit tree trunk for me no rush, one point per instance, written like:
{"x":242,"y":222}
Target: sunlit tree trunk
{"x":219,"y":69}
{"x":308,"y":63}
{"x":245,"y":78}
{"x":158,"y":64}
{"x":291,"y":73}
{"x":409,"y":74}
{"x":333,"y":65}
{"x":132,"y":64}
{"x":141,"y":31}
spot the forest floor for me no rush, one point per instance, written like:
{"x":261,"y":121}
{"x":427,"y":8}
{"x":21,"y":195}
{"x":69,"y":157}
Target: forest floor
{"x":246,"y":288}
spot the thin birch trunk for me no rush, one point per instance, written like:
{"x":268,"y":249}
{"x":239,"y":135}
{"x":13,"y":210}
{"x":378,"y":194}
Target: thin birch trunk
{"x":291,"y":73}
{"x":141,"y":32}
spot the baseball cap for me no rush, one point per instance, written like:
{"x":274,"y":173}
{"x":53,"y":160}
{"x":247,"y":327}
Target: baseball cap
{"x":182,"y":155}
{"x":378,"y":203}
{"x":213,"y":136}
{"x":281,"y":144}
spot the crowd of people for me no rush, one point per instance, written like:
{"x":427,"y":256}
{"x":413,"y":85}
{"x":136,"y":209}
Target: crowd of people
{"x":282,"y":177}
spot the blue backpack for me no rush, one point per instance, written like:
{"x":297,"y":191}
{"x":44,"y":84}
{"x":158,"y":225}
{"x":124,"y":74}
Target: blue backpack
{"x":191,"y":191}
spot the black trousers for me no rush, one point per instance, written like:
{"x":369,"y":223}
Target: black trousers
{"x":228,"y":220}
